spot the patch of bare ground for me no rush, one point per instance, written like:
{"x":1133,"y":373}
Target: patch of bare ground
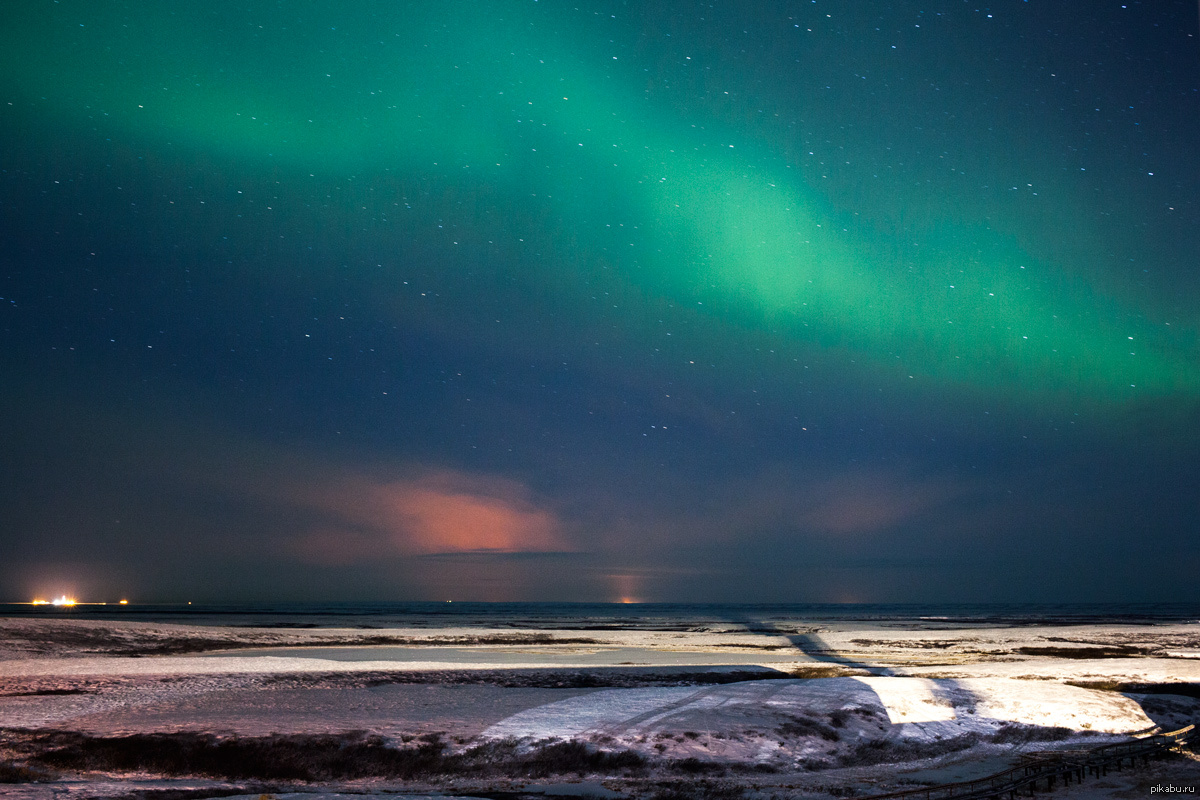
{"x":1181,"y":689}
{"x":908,"y":644}
{"x":1148,"y":638}
{"x":265,"y":790}
{"x":753,"y":646}
{"x":66,"y":685}
{"x":1085,"y":652}
{"x":990,"y":656}
{"x":71,"y":638}
{"x":875,"y":751}
{"x":693,"y":789}
{"x":313,"y":758}
{"x":354,"y":762}
{"x":12,"y":772}
{"x":826,"y":671}
{"x":895,"y":751}
{"x":45,"y":692}
{"x":604,"y":678}
{"x":60,"y":639}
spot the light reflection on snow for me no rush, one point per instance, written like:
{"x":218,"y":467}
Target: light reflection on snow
{"x":910,"y":699}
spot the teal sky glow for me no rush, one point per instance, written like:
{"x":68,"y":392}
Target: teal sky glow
{"x":527,"y":253}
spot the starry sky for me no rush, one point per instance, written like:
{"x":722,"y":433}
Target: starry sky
{"x":600,"y":300}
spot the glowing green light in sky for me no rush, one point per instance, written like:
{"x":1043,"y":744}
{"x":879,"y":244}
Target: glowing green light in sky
{"x":510,"y":102}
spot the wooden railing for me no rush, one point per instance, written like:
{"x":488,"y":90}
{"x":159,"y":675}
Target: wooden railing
{"x":1049,"y":766}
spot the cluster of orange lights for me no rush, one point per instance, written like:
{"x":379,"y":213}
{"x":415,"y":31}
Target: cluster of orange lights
{"x":58,"y":601}
{"x":67,"y":602}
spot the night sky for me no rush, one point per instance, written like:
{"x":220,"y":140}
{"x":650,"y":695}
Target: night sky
{"x":600,"y":300}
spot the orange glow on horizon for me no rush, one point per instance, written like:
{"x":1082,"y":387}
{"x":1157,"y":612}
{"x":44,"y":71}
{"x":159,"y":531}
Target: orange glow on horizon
{"x":625,"y":588}
{"x":124,"y":602}
{"x":61,"y":601}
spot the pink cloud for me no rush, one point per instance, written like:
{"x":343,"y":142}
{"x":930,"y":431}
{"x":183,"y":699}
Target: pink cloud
{"x":443,"y":512}
{"x":451,"y":515}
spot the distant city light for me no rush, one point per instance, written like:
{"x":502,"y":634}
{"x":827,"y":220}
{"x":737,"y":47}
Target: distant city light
{"x":61,"y":601}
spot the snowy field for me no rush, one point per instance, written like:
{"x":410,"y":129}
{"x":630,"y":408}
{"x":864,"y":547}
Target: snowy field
{"x":823,"y":712}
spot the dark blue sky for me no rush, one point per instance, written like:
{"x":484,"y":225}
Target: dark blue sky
{"x":662,"y":301}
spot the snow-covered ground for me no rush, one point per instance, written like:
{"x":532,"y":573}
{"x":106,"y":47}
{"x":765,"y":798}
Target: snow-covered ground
{"x":913,"y":708}
{"x":805,"y":708}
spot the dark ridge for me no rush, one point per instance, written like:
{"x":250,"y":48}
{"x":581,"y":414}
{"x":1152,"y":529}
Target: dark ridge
{"x":195,"y":794}
{"x":103,"y":640}
{"x":1013,"y":733}
{"x":826,"y":671}
{"x":1083,"y":652}
{"x":22,"y":773}
{"x":693,"y":790}
{"x":760,"y":767}
{"x":1181,"y":689}
{"x":751,"y":646}
{"x":696,"y":766}
{"x":317,"y":758}
{"x":890,"y":751}
{"x":807,"y":726}
{"x":534,"y":678}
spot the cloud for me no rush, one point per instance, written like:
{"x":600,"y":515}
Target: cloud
{"x":869,"y":502}
{"x":439,"y":512}
{"x":813,"y":505}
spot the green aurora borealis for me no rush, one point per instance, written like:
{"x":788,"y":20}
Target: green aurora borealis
{"x":818,"y":217}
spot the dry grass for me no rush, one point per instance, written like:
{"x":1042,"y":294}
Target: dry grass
{"x":696,"y":766}
{"x":44,"y":692}
{"x":892,"y":751}
{"x":807,"y":726}
{"x":826,"y":671}
{"x":538,"y":678}
{"x":1119,"y":651}
{"x":909,"y":644}
{"x":317,"y":757}
{"x":57,"y":637}
{"x":1183,"y":689}
{"x":1013,"y":733}
{"x":11,"y":772}
{"x":693,"y":790}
